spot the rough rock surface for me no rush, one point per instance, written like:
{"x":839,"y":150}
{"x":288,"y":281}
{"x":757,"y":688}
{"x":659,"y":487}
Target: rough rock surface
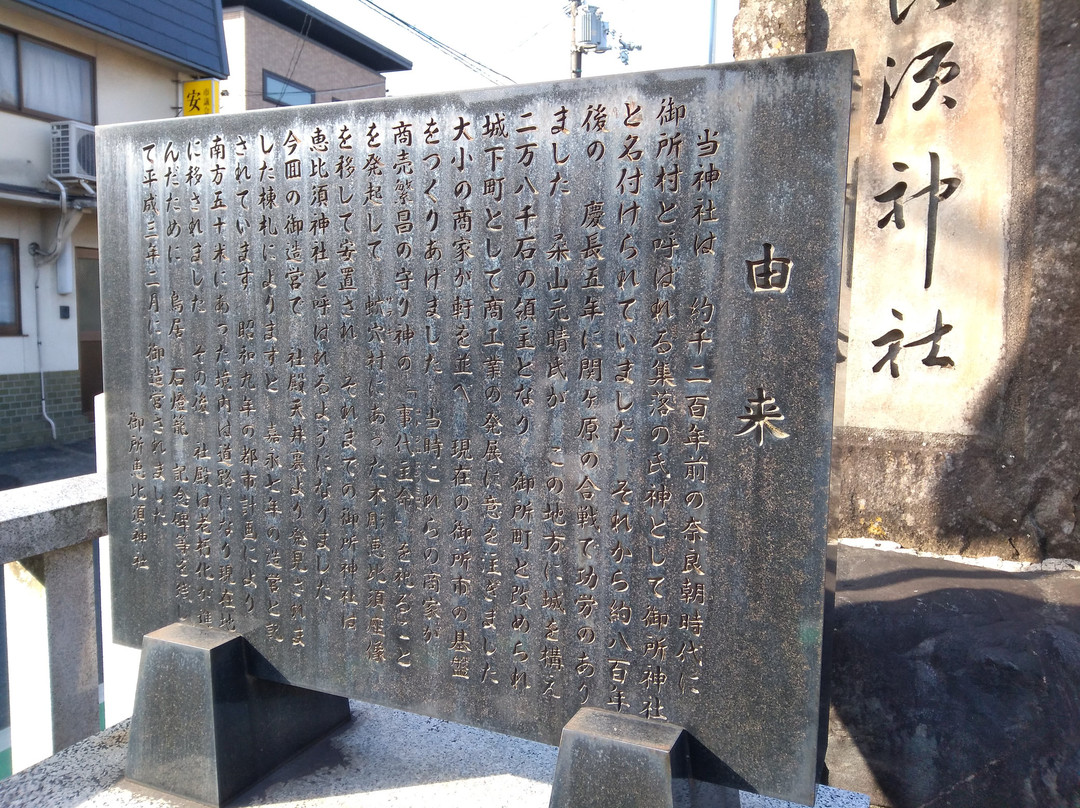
{"x":1012,"y":489}
{"x":767,"y":28}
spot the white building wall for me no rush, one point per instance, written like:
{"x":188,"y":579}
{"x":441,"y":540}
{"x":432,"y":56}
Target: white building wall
{"x":59,"y":337}
{"x":130,"y":85}
{"x":24,"y":150}
{"x":17,"y":354}
{"x":234,"y":88}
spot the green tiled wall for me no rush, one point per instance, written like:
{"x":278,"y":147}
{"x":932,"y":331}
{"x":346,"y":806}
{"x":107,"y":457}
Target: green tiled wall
{"x":21,"y":424}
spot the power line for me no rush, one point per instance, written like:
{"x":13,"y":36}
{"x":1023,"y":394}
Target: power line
{"x":479,"y":68}
{"x":300,"y":49}
{"x":534,"y":35}
{"x":295,"y":60}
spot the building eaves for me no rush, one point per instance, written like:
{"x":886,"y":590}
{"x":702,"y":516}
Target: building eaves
{"x":26,"y":195}
{"x":330,"y":33}
{"x":188,"y":33}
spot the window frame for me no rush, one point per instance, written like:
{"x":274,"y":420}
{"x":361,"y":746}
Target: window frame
{"x":300,"y":87}
{"x":13,"y":329}
{"x":20,"y":106}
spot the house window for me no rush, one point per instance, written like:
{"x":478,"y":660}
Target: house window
{"x":285,"y":93}
{"x":10,"y":321}
{"x":45,"y":81}
{"x":9,"y":71}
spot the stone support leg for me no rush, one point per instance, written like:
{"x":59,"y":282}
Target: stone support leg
{"x":608,"y":760}
{"x":205,"y":729}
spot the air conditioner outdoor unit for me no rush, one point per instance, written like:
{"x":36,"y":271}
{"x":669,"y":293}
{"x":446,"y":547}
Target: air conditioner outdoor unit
{"x":73,"y":151}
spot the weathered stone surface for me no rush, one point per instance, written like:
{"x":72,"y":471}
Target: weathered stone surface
{"x":981,"y":463}
{"x":494,"y":405}
{"x":38,"y":518}
{"x":770,"y":28}
{"x":954,"y":685}
{"x":70,"y":595}
{"x":204,"y":728}
{"x":931,"y":270}
{"x":1048,"y":476}
{"x":607,"y":759}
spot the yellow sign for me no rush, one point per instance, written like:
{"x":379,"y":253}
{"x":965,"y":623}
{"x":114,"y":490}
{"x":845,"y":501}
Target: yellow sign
{"x":201,"y":97}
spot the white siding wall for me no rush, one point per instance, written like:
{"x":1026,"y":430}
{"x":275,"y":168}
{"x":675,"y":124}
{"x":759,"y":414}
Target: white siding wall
{"x":236,"y":45}
{"x":130,"y":86}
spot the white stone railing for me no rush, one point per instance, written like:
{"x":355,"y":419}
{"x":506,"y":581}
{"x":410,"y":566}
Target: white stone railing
{"x":47,"y":536}
{"x":48,"y":545}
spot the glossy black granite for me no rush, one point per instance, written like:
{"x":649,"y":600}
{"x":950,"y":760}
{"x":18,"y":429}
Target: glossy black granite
{"x":607,"y":759}
{"x":203,"y":728}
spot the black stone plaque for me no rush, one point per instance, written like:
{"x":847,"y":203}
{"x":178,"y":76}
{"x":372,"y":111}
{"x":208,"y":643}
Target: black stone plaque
{"x":493,"y":405}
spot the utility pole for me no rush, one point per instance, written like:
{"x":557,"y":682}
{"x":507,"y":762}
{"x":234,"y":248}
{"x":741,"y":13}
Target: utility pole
{"x":575,"y":51}
{"x":588,"y":31}
{"x":712,"y":32}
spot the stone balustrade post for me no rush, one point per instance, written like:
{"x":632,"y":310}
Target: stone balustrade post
{"x":47,"y":535}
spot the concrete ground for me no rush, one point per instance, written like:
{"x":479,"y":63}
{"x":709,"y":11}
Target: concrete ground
{"x":42,"y":464}
{"x":382,"y":759}
{"x":955,"y":685}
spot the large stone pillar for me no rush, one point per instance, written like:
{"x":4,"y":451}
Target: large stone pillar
{"x":961,"y":416}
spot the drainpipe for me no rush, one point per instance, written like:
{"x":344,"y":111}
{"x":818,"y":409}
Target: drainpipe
{"x":64,"y":228}
{"x":41,"y":366}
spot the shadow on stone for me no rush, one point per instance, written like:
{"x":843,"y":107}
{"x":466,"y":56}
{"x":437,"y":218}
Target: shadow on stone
{"x":707,"y":767}
{"x":955,"y":687}
{"x":204,"y":728}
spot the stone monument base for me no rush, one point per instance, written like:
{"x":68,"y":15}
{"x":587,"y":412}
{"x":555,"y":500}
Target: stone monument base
{"x":607,"y":759}
{"x":204,"y":728}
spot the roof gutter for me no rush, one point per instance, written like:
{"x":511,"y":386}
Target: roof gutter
{"x":23,"y":195}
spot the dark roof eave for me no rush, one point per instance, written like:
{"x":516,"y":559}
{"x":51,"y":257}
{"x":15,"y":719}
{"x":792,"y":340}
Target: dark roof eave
{"x":217,"y":68}
{"x":328,"y":32}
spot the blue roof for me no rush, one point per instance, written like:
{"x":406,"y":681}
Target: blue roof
{"x":188,"y":32}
